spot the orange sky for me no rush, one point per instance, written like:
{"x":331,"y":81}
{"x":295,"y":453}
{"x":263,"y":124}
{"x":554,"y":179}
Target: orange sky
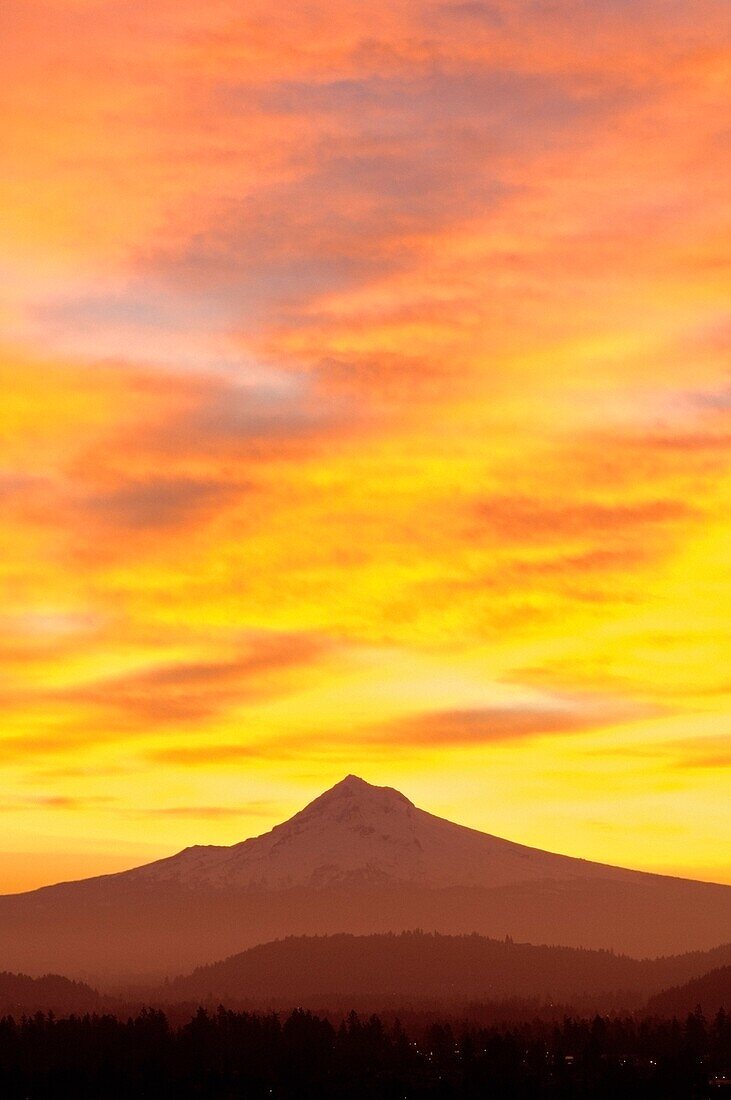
{"x":366,"y":407}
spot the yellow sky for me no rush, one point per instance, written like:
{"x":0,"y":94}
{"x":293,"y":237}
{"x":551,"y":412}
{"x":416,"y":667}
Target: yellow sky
{"x":366,"y":408}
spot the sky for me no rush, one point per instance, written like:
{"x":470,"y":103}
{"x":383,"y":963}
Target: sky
{"x":366,"y":407}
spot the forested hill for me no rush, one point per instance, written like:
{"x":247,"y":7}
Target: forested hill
{"x":711,"y":992}
{"x":21,"y":994}
{"x":421,"y":966}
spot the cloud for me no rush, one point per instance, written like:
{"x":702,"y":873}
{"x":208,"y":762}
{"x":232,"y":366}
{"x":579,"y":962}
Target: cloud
{"x":228,"y":417}
{"x":184,"y":692}
{"x":220,"y":754}
{"x":160,"y":502}
{"x":249,"y":809}
{"x":160,"y":697}
{"x":519,"y":519}
{"x":472,"y":12}
{"x":480,"y":101}
{"x":489,"y":725}
{"x":702,"y":443}
{"x":33,"y":744}
{"x":708,"y":753}
{"x":691,"y":754}
{"x":379,"y":164}
{"x":57,"y":802}
{"x":460,"y":727}
{"x":177,"y":457}
{"x":619,"y":560}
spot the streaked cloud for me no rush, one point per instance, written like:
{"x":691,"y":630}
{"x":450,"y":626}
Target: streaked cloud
{"x":55,"y":802}
{"x":152,"y":698}
{"x":165,"y":502}
{"x":488,"y":725}
{"x":252,"y":809}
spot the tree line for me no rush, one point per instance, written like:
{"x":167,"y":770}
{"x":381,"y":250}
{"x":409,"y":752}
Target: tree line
{"x":227,"y":1054}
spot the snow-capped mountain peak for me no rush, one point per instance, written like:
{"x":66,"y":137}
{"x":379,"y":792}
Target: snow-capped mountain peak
{"x":353,"y":797}
{"x":359,"y":834}
{"x":354,"y":832}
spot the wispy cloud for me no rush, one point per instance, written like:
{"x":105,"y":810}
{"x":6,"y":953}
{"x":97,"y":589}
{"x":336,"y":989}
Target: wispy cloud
{"x":152,"y":698}
{"x":159,"y":503}
{"x":249,"y":809}
{"x":491,"y":725}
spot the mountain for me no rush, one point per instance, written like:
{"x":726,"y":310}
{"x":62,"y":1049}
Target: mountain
{"x":712,"y":991}
{"x":356,"y":834}
{"x":358,"y":859}
{"x":414,"y":967}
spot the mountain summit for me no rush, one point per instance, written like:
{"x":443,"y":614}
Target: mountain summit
{"x":354,"y":832}
{"x":360,"y":859}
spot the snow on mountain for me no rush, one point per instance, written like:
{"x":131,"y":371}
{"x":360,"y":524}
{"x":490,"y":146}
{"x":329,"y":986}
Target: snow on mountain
{"x":360,"y":834}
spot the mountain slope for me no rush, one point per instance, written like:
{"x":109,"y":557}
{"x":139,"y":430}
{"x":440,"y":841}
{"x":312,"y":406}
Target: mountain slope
{"x":358,"y":859}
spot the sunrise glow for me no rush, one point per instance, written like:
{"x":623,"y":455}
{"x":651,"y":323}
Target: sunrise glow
{"x":365,"y":408}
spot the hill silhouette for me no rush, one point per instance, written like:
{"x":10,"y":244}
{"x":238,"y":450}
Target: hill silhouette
{"x":417,"y":966}
{"x":711,"y":991}
{"x":20,"y":994}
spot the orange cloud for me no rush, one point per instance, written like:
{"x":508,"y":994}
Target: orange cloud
{"x":254,"y":809}
{"x":149,"y":699}
{"x":488,"y":725}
